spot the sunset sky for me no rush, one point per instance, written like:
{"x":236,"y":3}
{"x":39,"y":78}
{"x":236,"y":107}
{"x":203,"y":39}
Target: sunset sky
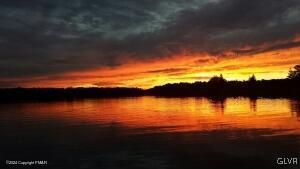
{"x":144,"y":43}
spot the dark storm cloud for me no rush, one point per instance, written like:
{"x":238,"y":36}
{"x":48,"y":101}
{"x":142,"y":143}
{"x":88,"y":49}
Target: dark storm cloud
{"x":42,"y":37}
{"x":229,"y":24}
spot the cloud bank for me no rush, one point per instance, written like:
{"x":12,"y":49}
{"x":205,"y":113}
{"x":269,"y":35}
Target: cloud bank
{"x":42,"y":37}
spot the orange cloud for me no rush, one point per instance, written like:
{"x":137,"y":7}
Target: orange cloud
{"x":179,"y":68}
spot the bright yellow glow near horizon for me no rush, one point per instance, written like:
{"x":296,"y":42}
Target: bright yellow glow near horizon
{"x":180,"y":68}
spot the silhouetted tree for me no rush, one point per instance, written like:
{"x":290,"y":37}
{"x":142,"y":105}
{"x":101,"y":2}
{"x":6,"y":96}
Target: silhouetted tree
{"x":252,"y":81}
{"x":217,"y":80}
{"x":252,"y":78}
{"x":294,"y":73}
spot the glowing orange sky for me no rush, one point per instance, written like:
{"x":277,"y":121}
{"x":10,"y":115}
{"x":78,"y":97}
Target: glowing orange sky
{"x":179,"y":68}
{"x":138,"y":44}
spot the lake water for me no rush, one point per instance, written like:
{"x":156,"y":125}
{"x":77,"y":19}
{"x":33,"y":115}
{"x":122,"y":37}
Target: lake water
{"x":151,"y":132}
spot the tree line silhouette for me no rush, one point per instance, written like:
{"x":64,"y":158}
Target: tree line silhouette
{"x":217,"y":87}
{"x":53,"y":94}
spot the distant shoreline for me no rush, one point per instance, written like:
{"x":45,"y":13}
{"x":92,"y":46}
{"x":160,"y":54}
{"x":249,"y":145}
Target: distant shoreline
{"x":278,"y":88}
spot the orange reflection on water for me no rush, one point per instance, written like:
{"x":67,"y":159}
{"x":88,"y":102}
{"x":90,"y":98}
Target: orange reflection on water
{"x":171,"y":114}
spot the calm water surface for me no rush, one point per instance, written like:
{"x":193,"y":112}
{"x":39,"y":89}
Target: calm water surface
{"x":150,"y":132}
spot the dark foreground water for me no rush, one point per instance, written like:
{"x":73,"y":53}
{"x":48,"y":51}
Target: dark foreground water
{"x":152,"y":133}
